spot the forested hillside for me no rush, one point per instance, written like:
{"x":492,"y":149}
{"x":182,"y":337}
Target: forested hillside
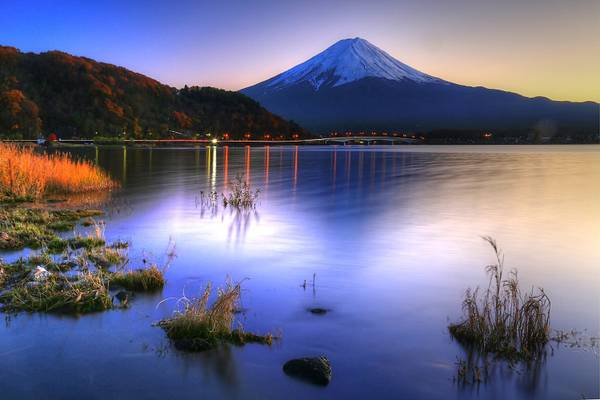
{"x":79,"y":97}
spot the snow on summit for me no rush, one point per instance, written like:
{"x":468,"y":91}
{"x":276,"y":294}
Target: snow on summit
{"x":346,"y":61}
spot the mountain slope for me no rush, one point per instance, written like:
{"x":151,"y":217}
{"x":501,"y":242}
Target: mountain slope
{"x":77,"y":96}
{"x":347,"y":61}
{"x":353,"y":85}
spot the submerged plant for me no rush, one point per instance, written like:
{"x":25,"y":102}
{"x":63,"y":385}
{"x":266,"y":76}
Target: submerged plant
{"x":199,"y":327}
{"x":241,"y":195}
{"x":504,"y":320}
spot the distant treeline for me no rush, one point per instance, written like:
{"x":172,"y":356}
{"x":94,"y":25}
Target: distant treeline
{"x":525,"y":136}
{"x":71,"y":96}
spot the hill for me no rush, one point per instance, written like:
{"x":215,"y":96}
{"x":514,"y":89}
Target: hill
{"x":79,"y":97}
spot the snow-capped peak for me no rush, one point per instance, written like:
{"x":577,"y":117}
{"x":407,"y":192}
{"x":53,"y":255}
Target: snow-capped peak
{"x":346,"y":61}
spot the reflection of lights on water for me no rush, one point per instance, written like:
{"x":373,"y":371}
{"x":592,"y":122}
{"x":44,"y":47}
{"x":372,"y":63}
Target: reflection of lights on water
{"x":247,"y":155}
{"x":225,"y":165}
{"x":295,"y":166}
{"x":213,"y":175}
{"x":267,"y":156}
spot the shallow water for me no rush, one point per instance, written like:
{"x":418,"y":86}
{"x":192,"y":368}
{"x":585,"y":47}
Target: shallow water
{"x":392,"y":235}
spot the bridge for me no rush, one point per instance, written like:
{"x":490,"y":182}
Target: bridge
{"x":368,"y":140}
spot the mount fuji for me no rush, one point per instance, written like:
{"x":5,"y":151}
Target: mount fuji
{"x":354,"y":85}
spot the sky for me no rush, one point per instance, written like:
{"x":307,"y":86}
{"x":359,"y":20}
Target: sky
{"x":534,"y":47}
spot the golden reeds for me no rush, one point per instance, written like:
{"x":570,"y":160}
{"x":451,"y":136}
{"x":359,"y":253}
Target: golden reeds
{"x":25,"y":174}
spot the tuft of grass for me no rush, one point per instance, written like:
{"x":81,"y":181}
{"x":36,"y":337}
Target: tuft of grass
{"x":140,"y":280}
{"x":88,"y":293}
{"x":25,"y":174}
{"x":201,"y":327}
{"x":104,"y":257}
{"x":86,"y":242}
{"x":504,"y":320}
{"x":56,"y":245}
{"x":40,"y":259}
{"x":241,"y":195}
{"x":62,"y":226}
{"x":119,"y":244}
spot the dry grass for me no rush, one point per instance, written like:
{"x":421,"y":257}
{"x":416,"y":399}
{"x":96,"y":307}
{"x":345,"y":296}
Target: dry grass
{"x":25,"y":174}
{"x":504,"y":320}
{"x":201,"y":327}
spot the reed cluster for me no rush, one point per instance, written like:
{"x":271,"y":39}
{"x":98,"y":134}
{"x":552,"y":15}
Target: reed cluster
{"x":25,"y":174}
{"x":140,"y":280}
{"x":504,"y":319}
{"x":241,"y":195}
{"x":199,"y":327}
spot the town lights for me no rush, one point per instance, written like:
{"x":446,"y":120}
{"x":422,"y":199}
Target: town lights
{"x":214,"y":141}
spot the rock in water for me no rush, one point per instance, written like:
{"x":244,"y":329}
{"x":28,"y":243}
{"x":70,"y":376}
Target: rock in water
{"x":316,"y":370}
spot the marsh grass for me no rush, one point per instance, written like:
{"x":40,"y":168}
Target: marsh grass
{"x":35,"y":228}
{"x":198,"y":326}
{"x":86,"y":242}
{"x":27,"y":175}
{"x":140,"y":280}
{"x":146,"y":279}
{"x":105,"y":256}
{"x":88,"y":292}
{"x":504,"y":319}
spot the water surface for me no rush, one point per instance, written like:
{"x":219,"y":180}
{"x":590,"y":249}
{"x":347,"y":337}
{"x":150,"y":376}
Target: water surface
{"x":392,"y":235}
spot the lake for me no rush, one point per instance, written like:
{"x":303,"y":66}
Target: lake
{"x":391,"y":236}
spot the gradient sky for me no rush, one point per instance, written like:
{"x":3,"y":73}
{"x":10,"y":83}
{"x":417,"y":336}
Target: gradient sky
{"x":536,"y":47}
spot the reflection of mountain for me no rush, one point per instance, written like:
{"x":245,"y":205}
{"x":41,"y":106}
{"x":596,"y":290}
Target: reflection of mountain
{"x":354,"y":85}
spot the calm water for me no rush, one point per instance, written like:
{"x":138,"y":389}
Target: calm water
{"x":392,"y":234}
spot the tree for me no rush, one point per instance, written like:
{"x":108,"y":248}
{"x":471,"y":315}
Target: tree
{"x":19,"y":115}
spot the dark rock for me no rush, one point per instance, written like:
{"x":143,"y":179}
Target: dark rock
{"x":316,"y":370}
{"x":318,"y":311}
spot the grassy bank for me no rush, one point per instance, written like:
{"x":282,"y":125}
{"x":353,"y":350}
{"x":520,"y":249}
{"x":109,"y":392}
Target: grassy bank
{"x":36,"y":228}
{"x":27,"y":175}
{"x":73,"y":274}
